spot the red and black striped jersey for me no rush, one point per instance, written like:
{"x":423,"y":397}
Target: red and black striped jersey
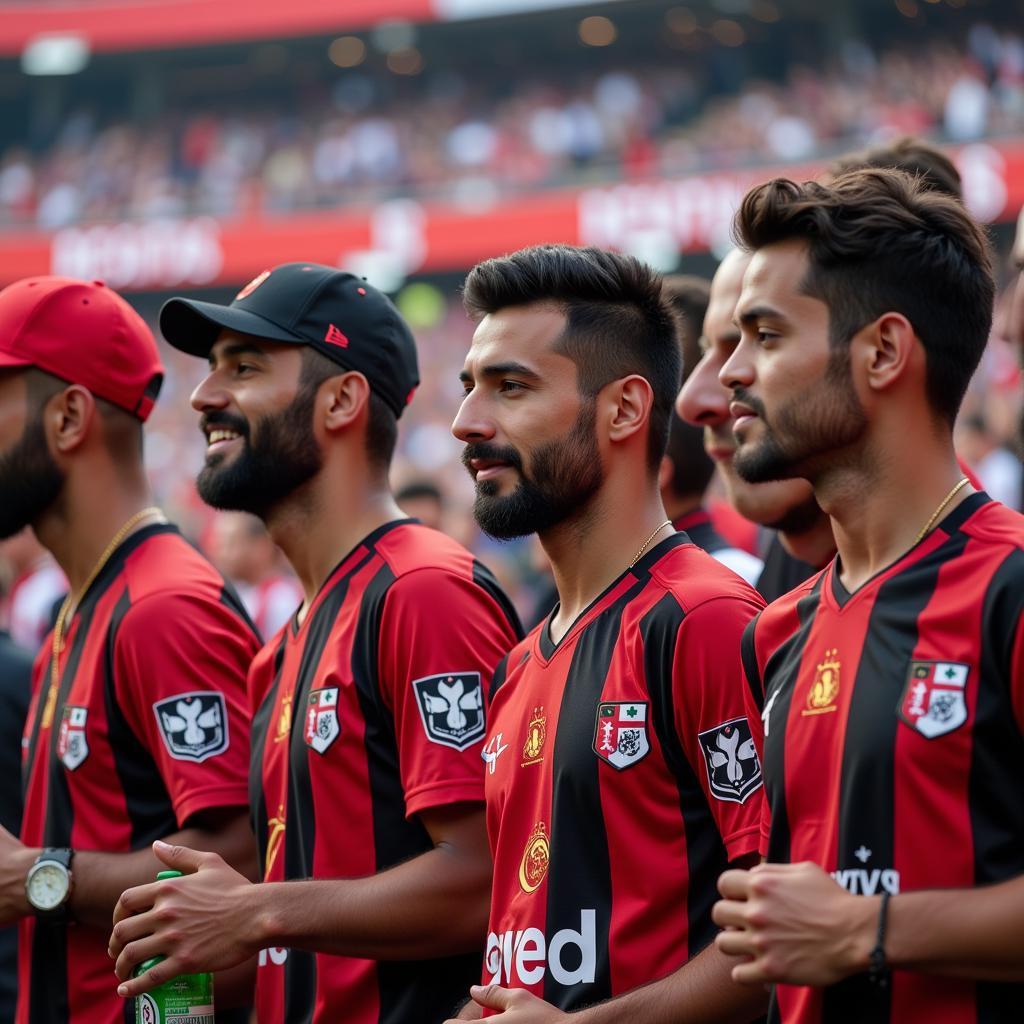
{"x":621,"y":781}
{"x":149,"y":725}
{"x":892,"y":730}
{"x":370,"y":712}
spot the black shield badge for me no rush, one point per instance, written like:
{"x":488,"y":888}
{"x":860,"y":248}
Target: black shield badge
{"x":734,"y":771}
{"x":194,"y":726}
{"x":452,"y":708}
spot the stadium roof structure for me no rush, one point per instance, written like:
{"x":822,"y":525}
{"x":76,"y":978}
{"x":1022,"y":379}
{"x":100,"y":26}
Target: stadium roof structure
{"x":113,"y":25}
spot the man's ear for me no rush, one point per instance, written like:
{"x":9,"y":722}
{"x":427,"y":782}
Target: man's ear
{"x":68,"y":417}
{"x":340,"y":400}
{"x":630,"y":399}
{"x":885,"y":350}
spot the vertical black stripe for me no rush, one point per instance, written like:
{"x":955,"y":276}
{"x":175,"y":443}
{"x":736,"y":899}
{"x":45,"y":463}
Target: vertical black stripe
{"x":300,"y":817}
{"x":48,"y":983}
{"x":230,"y":599}
{"x":579,"y":870}
{"x":748,"y":656}
{"x":780,"y":674}
{"x":706,"y":855}
{"x":997,"y":763}
{"x":867,"y":796}
{"x":407,"y":990}
{"x":259,"y":732}
{"x":484,"y":578}
{"x":498,"y":678}
{"x":147,"y":802}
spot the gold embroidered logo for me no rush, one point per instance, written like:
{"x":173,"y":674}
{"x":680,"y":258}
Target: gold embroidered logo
{"x":284,"y":720}
{"x":821,"y":698}
{"x":534,"y":865}
{"x":536,"y":734}
{"x":275,"y":836}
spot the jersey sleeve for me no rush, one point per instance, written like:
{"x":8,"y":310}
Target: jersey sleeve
{"x":181,"y":662}
{"x":711,"y":701}
{"x":441,"y":638}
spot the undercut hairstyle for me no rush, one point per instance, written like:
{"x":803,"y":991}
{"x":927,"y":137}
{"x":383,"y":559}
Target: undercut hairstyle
{"x":689,"y":296}
{"x":381,"y":422}
{"x":618,"y":320}
{"x":933,"y":169}
{"x":878,"y":242}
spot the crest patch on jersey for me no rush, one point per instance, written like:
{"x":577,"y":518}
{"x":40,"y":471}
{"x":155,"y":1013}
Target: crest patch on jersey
{"x":934,"y":699}
{"x":734,"y":771}
{"x":72,"y":743}
{"x":452,"y":708}
{"x":322,"y":726}
{"x":620,"y":733}
{"x":194,"y":726}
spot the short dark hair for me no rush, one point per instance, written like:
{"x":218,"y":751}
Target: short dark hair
{"x":917,"y":158}
{"x":692,"y":468}
{"x":419,"y":489}
{"x":689,"y":296}
{"x":879,"y":242}
{"x":381,"y":422}
{"x":618,"y":321}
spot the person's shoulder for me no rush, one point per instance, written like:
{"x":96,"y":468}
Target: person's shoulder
{"x":695,"y":578}
{"x":410,"y":547}
{"x":166,"y":566}
{"x":997,"y":525}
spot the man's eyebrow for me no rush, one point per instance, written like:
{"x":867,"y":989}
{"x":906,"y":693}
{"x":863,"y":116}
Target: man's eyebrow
{"x":500,"y":370}
{"x":748,"y":316}
{"x":236,"y":348}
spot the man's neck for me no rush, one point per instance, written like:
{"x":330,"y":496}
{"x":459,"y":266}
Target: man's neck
{"x":815,"y":546}
{"x":79,"y":527}
{"x":320,"y":523}
{"x":592,"y":550}
{"x":878,"y":515}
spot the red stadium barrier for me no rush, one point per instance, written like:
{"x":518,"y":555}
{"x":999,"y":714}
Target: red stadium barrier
{"x":652,"y":218}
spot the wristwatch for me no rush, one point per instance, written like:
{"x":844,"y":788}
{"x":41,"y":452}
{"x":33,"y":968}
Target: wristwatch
{"x":48,"y":883}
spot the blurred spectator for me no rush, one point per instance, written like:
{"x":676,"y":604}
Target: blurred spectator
{"x":366,"y":138}
{"x":245,"y":554}
{"x":37,"y":585}
{"x":998,"y":469}
{"x":424,"y":501}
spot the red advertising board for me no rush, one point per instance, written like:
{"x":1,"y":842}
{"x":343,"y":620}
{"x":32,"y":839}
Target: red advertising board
{"x":653,"y":219}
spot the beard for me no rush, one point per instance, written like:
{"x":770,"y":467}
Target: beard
{"x":564,"y":475}
{"x":806,"y":428}
{"x":30,"y":480}
{"x":278,"y":455}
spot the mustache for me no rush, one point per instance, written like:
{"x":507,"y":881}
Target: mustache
{"x":498,"y":453}
{"x":744,"y":397}
{"x":224,"y":420}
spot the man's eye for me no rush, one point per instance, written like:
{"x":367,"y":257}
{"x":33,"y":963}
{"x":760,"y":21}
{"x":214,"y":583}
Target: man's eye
{"x":512,"y":385}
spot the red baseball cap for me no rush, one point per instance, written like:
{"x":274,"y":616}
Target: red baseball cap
{"x":84,"y":333}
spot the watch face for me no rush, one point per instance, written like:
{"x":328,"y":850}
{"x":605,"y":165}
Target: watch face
{"x":48,"y":885}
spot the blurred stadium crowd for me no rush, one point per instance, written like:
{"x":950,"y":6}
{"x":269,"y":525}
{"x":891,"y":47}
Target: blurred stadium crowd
{"x":356,"y":138}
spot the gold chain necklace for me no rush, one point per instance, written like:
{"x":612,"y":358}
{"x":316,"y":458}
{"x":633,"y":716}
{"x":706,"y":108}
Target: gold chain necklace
{"x":646,"y":543}
{"x":938,"y":512}
{"x":71,"y":602}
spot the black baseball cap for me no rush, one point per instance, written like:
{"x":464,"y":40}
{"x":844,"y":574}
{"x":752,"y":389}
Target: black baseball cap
{"x":334,"y":312}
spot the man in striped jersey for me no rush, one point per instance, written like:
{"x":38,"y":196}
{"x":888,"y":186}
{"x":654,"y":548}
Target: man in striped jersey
{"x":369,"y":705}
{"x":621,"y":771}
{"x":887,"y":692}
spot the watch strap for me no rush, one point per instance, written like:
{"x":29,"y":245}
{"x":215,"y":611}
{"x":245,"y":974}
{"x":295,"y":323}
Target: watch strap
{"x":62,"y":855}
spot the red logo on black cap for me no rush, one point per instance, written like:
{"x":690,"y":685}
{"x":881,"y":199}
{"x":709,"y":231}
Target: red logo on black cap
{"x":253,"y":285}
{"x":335,"y":337}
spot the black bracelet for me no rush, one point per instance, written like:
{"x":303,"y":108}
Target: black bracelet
{"x":878,"y":971}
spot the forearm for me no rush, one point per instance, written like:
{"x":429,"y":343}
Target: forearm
{"x":700,"y":992}
{"x":967,"y":933}
{"x":100,"y":878}
{"x":404,"y":913}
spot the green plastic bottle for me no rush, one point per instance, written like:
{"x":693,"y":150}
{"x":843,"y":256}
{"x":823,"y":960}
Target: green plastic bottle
{"x":187,"y":999}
